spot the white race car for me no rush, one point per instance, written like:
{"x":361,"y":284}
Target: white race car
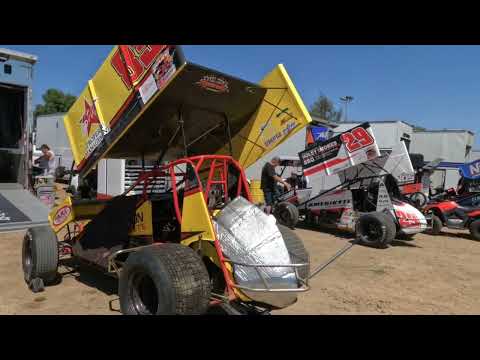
{"x":354,"y":186}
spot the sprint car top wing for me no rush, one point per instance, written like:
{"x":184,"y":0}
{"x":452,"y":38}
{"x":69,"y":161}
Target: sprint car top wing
{"x":149,"y":101}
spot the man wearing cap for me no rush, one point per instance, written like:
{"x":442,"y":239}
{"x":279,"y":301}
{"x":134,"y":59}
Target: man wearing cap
{"x":269,"y":183}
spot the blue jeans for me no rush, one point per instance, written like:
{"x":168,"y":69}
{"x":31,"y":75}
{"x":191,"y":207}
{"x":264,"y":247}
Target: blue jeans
{"x":271,"y":196}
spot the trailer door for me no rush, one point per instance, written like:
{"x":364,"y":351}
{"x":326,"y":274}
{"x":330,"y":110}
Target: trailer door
{"x":19,"y":209}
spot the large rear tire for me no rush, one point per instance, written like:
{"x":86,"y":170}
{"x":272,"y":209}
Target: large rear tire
{"x":475,"y":229}
{"x":168,"y":279}
{"x":375,"y":230}
{"x":286,"y":214}
{"x":296,"y":249}
{"x":40,"y":255}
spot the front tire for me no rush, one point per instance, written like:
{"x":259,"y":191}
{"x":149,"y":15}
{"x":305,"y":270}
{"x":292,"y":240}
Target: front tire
{"x":286,"y":214}
{"x":168,"y":279}
{"x":437,"y":225}
{"x":40,"y":255}
{"x":475,"y":229}
{"x":375,"y":230}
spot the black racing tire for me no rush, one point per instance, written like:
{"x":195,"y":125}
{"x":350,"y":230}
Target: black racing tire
{"x":437,"y":226}
{"x":40,"y":254}
{"x":296,"y":249}
{"x":391,"y":228}
{"x":286,"y":214}
{"x":375,"y":230}
{"x":168,"y":279}
{"x":475,"y":229}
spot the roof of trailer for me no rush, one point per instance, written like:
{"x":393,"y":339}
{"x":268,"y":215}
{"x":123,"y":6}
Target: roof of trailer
{"x":446,"y":131}
{"x":19,"y":55}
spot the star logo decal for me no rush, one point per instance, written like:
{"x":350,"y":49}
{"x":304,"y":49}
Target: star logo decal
{"x":89,"y":118}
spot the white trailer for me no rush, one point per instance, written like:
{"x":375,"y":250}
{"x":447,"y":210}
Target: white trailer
{"x":50,"y":130}
{"x":19,"y":208}
{"x":453,"y":146}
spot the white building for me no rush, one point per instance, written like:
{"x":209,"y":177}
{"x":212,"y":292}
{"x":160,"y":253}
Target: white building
{"x":50,"y":130}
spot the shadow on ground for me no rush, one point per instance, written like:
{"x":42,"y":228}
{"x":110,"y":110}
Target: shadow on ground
{"x":108,"y":285}
{"x":404,"y":244}
{"x":349,"y":236}
{"x":335,"y":232}
{"x":462,"y":236}
{"x":88,"y":276}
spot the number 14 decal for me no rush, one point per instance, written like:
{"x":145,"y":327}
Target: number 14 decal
{"x":356,"y":139}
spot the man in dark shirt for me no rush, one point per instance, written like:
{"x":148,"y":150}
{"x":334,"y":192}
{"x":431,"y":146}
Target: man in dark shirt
{"x":269,"y":183}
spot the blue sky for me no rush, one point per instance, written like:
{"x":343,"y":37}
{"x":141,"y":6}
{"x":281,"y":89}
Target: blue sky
{"x":431,"y":86}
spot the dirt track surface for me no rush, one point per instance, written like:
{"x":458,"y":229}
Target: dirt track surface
{"x":430,"y":275}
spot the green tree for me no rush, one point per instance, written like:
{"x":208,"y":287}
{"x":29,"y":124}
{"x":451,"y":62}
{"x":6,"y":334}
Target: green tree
{"x":54,"y":101}
{"x":324,"y":108}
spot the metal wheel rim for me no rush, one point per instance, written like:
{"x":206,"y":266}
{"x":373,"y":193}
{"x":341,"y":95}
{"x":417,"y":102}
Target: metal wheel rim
{"x":143,"y":293}
{"x":371,"y":233}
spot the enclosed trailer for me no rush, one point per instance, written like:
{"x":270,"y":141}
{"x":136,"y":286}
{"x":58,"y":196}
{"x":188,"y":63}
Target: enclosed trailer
{"x":453,"y":146}
{"x":50,"y":129}
{"x":18,"y":207}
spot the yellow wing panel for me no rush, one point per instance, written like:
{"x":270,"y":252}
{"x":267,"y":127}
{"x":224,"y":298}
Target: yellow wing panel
{"x":110,"y":90}
{"x":83,"y":126}
{"x":281,"y":115}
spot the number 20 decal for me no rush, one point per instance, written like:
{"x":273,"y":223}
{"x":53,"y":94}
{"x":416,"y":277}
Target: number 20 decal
{"x":356,"y":139}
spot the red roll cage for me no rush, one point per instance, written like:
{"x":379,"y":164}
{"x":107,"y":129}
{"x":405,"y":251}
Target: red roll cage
{"x":217,"y":167}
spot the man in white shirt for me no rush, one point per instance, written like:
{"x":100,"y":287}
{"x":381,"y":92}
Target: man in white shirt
{"x":46,"y":162}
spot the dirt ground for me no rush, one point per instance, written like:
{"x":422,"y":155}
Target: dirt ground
{"x":430,"y":275}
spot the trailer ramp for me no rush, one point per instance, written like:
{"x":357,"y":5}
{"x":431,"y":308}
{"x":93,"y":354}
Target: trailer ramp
{"x":19,"y":209}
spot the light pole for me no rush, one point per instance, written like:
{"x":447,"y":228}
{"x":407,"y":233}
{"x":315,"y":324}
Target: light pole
{"x":346,"y":100}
